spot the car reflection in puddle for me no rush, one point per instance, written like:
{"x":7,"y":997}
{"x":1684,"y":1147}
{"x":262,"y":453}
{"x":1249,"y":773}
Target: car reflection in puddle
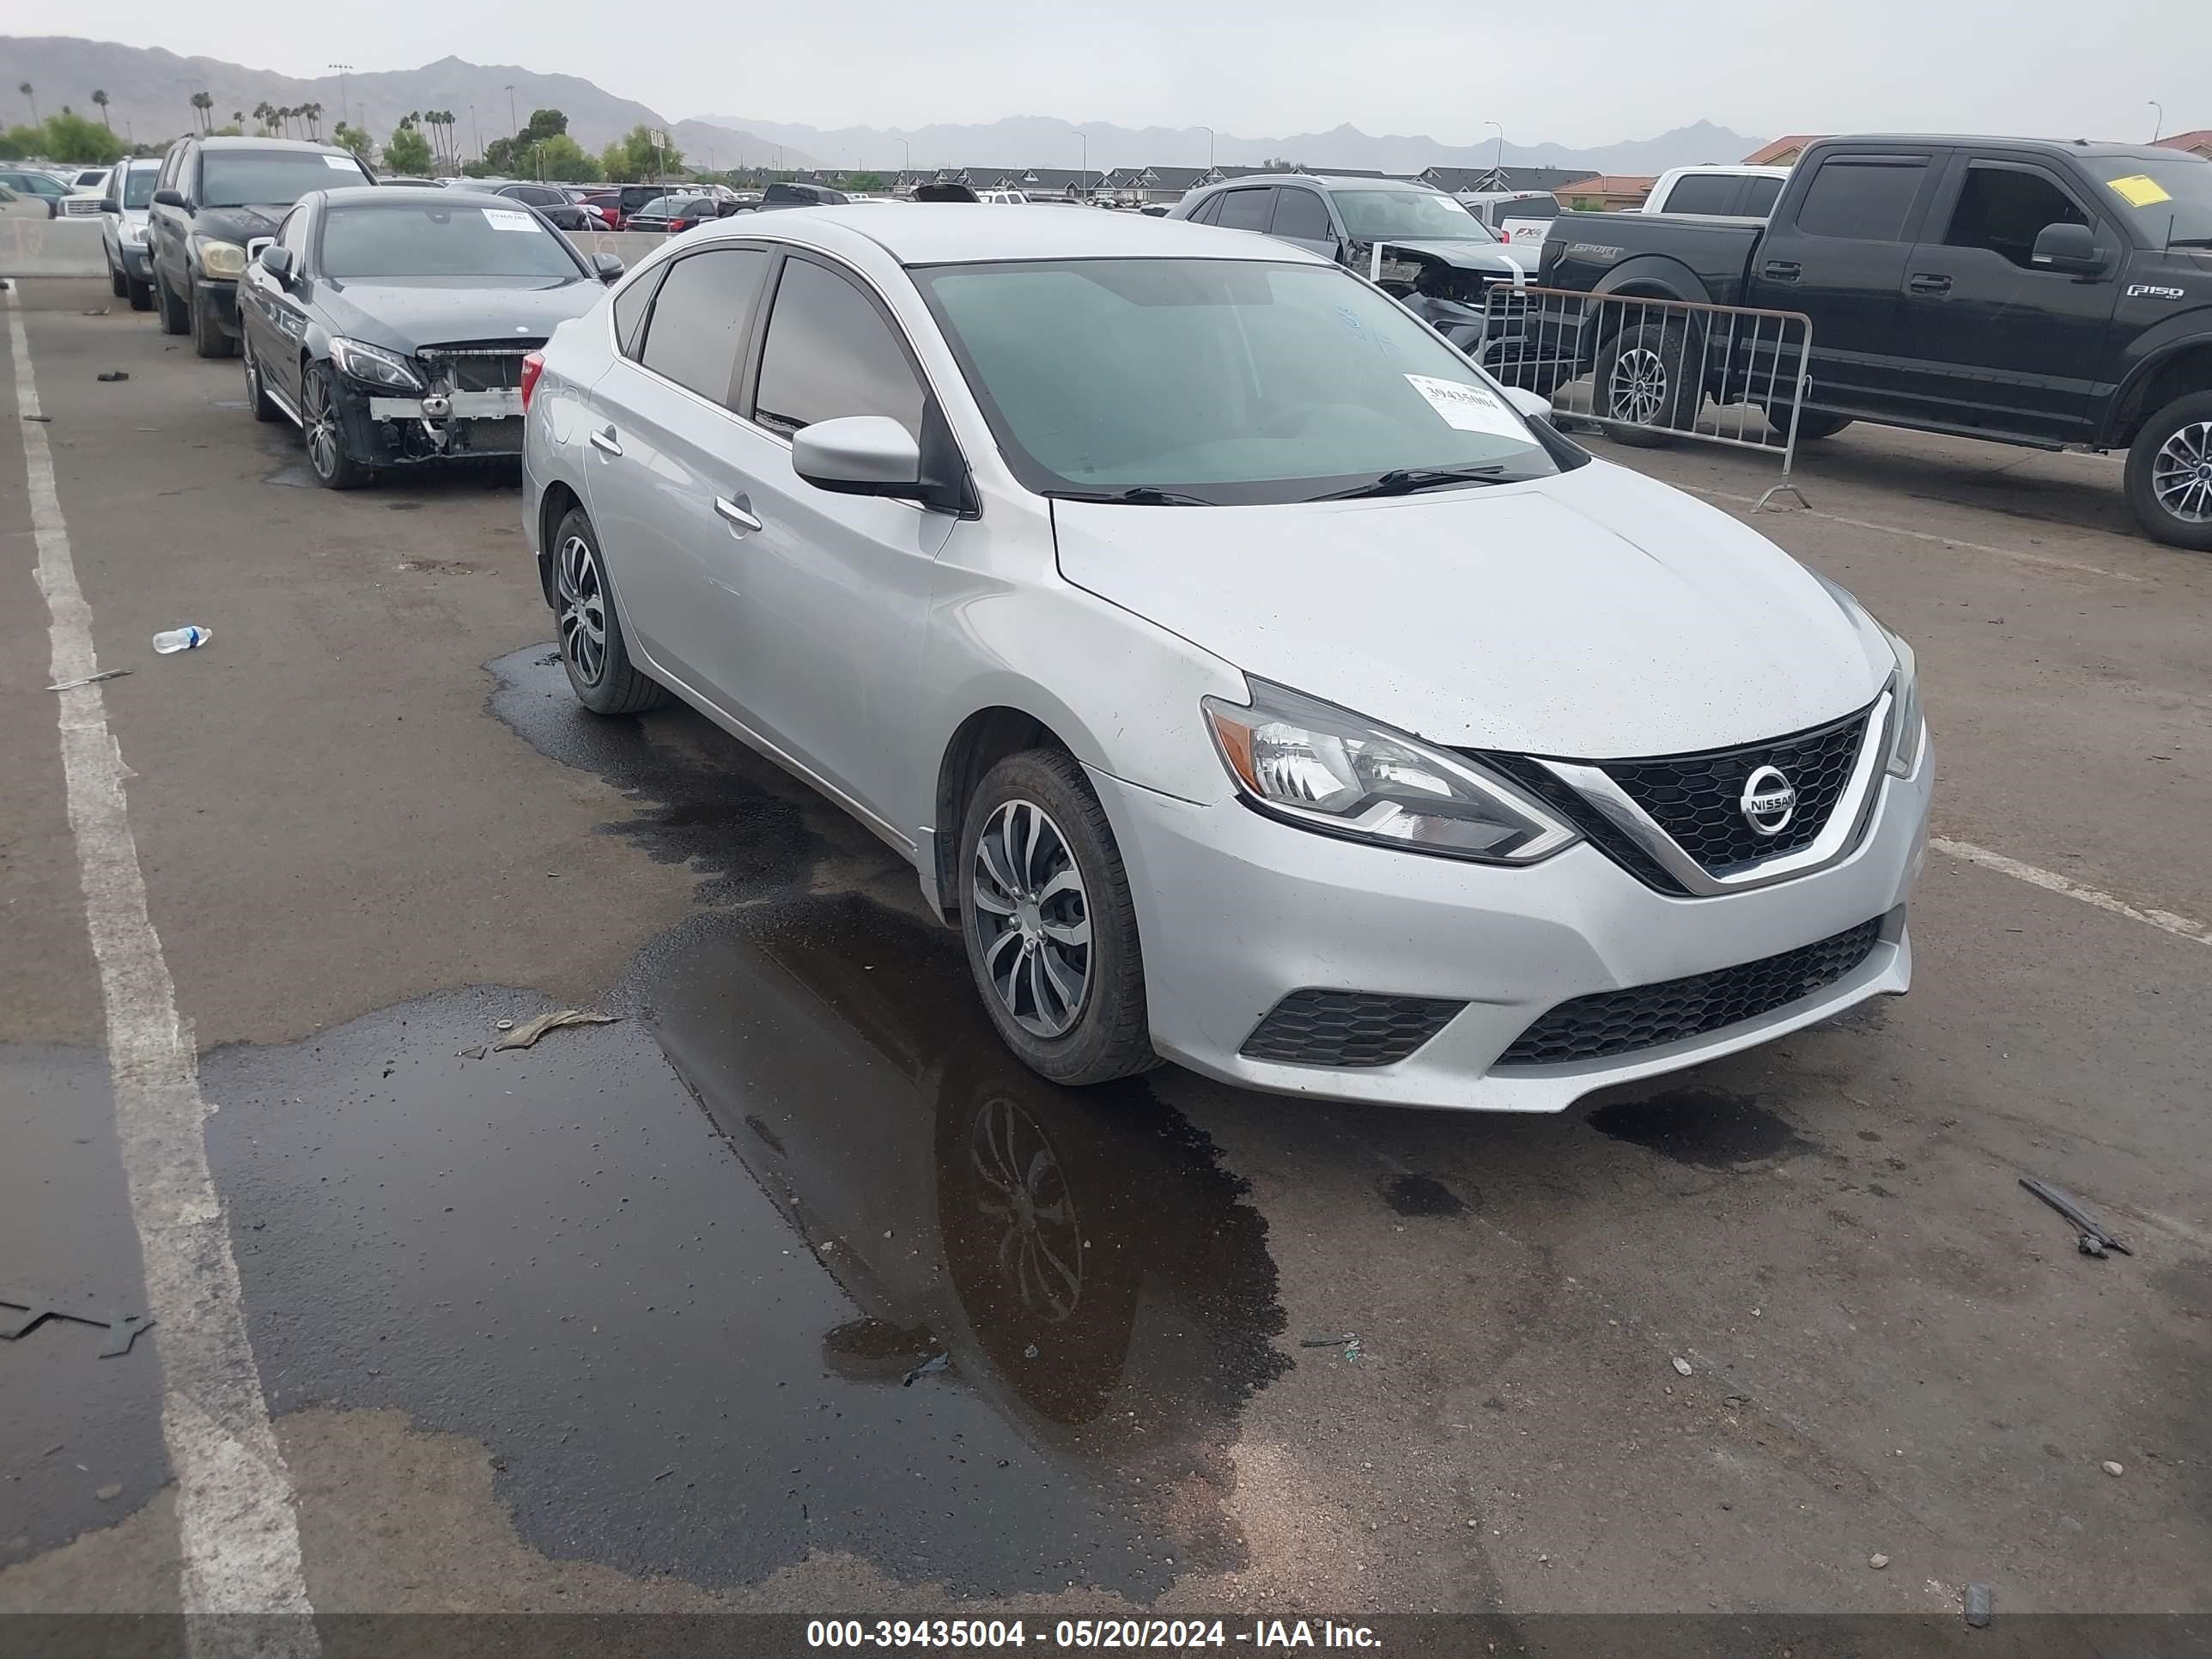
{"x":1080,"y":1261}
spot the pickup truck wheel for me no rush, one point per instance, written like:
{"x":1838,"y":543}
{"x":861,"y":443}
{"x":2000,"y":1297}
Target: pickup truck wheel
{"x":208,"y":338}
{"x":1646,"y":377}
{"x":2170,"y":474}
{"x":173,"y":317}
{"x":1811,"y":424}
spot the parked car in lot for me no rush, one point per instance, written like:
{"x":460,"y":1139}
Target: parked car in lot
{"x":16,"y":206}
{"x":84,"y":198}
{"x":561,"y":210}
{"x":674,"y":213}
{"x":214,"y":202}
{"x":1433,"y":253}
{"x":38,"y":184}
{"x":2041,"y":294}
{"x":123,"y":230}
{"x":1518,"y":216}
{"x":1251,"y":679}
{"x":391,"y":326}
{"x":1717,"y":192}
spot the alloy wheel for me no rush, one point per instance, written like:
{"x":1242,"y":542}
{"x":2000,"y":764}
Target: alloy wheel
{"x":1032,"y":919}
{"x":583,"y":609}
{"x":1636,"y":391}
{"x":2181,"y":473}
{"x":322,"y":426}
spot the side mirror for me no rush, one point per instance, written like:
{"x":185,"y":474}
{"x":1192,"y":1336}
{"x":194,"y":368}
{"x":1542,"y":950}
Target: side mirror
{"x":171,"y":198}
{"x":860,"y":455}
{"x":1532,"y":405}
{"x":2070,"y":248}
{"x":609,"y":267}
{"x":277,"y":262}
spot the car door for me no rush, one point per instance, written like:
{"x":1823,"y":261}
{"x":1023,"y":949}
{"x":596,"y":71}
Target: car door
{"x":1301,"y":218}
{"x":1841,"y":260}
{"x":275,"y":316}
{"x":167,"y":226}
{"x":660,"y":436}
{"x":833,"y":595}
{"x":1998,"y":343}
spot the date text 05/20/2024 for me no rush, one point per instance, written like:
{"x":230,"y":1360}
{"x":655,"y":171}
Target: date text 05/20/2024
{"x":1167,"y":1635}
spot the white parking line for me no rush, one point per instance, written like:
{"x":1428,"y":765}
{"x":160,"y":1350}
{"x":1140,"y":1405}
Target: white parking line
{"x":2013,"y":553}
{"x":2052,"y":881}
{"x":239,"y":1534}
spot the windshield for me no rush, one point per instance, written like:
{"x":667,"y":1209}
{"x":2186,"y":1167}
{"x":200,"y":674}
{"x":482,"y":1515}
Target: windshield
{"x":272,"y":177}
{"x":1229,"y":381}
{"x":435,"y":241}
{"x":1419,"y":215}
{"x":2169,"y":201}
{"x":138,"y":185}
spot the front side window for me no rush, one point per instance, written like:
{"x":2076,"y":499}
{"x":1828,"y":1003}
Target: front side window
{"x":292,"y":235}
{"x":2003,"y":209}
{"x":696,"y":331}
{"x":1861,"y":201}
{"x":425,"y":242}
{"x":272,"y":177}
{"x":1229,"y":381}
{"x":1246,"y":209}
{"x":1408,"y":215}
{"x":828,"y":354}
{"x":1302,"y":215}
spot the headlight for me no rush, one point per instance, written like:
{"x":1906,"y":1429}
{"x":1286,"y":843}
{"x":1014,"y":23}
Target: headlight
{"x":131,"y":232}
{"x":1908,"y":729}
{"x":1325,"y":768}
{"x":220,"y":259}
{"x":374,"y":365}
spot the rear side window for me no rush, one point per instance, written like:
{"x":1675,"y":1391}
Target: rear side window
{"x":1701,"y":193}
{"x":828,"y":354}
{"x":1759,"y":196}
{"x":1246,"y":209}
{"x":1863,"y":201}
{"x":695,"y":333}
{"x":630,"y":306}
{"x":1302,"y":214}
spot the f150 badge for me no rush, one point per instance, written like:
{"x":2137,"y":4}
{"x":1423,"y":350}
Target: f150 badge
{"x":2153,"y":291}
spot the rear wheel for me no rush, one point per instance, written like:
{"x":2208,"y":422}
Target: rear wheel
{"x":592,"y":648}
{"x":1648,"y":378}
{"x":172,"y":318}
{"x":208,"y":338}
{"x":1813,"y":425}
{"x":2169,"y":480}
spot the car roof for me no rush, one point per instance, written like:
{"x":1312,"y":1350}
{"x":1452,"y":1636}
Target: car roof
{"x":965,"y":233}
{"x":2102,"y":149}
{"x":429,"y":194}
{"x":305,"y":144}
{"x":1329,"y":181}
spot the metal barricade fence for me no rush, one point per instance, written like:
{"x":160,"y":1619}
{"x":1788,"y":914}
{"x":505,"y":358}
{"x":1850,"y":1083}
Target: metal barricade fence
{"x":1645,"y":370}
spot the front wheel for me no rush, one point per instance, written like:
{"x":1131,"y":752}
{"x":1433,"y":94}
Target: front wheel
{"x":116,"y":283}
{"x":325,"y":436}
{"x":142,"y":295}
{"x":2169,"y":479}
{"x":1648,"y":378}
{"x":173,"y":320}
{"x":592,"y":648}
{"x":1050,"y":929}
{"x":208,"y":338}
{"x":257,"y":391}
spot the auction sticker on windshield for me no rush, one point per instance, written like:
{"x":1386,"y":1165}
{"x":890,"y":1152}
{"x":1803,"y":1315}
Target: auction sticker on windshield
{"x":342,"y":163}
{"x":1468,"y":408}
{"x":2138,"y":189}
{"x":510,"y":219}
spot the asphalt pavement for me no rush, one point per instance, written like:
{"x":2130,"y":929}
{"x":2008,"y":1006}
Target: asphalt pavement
{"x":787,"y":1290}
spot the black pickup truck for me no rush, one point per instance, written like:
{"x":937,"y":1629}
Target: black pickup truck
{"x":2052,"y":294}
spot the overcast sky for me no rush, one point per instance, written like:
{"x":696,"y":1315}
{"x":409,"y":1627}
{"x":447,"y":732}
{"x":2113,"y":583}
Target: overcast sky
{"x":1591,"y":72}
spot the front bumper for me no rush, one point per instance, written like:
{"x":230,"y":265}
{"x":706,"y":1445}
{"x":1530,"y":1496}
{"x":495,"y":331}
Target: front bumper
{"x":1237,"y":910}
{"x":220,"y":297}
{"x":137,"y":265}
{"x":383,"y":429}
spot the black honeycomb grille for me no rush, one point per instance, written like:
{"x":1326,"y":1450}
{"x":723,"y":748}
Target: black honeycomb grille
{"x":1347,"y":1028}
{"x":1697,"y":798}
{"x":1646,"y":1016}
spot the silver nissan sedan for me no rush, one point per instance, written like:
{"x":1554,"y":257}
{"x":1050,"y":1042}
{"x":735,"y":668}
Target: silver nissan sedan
{"x":1254,"y":682}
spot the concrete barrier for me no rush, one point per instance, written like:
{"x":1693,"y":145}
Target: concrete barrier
{"x":50,"y":247}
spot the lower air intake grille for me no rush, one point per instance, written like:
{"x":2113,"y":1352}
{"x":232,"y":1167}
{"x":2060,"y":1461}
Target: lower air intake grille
{"x":1347,"y":1028}
{"x":1646,"y":1015}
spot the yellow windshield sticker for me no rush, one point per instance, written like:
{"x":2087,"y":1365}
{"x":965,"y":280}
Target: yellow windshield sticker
{"x":2138,"y":189}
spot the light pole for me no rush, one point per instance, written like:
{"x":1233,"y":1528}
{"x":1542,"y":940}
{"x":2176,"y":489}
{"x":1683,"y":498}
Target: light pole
{"x":511,"y":119}
{"x":1083,"y":176}
{"x":1497,"y":164}
{"x":905,"y":166}
{"x":1208,"y":131}
{"x":2159,"y":125}
{"x":342,"y":69}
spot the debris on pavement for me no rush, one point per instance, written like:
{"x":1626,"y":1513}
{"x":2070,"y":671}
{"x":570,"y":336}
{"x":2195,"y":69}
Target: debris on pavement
{"x":89,"y":679}
{"x":1328,"y":1341}
{"x":43,"y":420}
{"x":1977,"y":1605}
{"x":523,"y":1037}
{"x":2095,"y":1239}
{"x":1877,"y":1562}
{"x":1682,"y":1364}
{"x":190,"y":637}
{"x":2115,"y":1470}
{"x":936,"y":1362}
{"x":105,"y":1493}
{"x":112,"y":375}
{"x":23,"y":1312}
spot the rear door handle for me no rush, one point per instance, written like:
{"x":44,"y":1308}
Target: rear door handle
{"x":1781,"y":271}
{"x":604,"y":441}
{"x":734,"y":515}
{"x":1928,"y":282}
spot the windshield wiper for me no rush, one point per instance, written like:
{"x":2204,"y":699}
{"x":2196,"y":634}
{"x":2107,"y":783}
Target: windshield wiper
{"x":1141,"y":495}
{"x":1403,"y":481}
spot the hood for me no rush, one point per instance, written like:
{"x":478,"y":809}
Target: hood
{"x":1500,"y":257}
{"x":407,"y":315}
{"x":237,"y":224}
{"x":1595,"y":614}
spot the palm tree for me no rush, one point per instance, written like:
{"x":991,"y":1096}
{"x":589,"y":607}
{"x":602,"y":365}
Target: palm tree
{"x":238,"y":119}
{"x":202,"y":103}
{"x":26,"y":91}
{"x":264,"y":112}
{"x":313,"y":113}
{"x":100,"y":99}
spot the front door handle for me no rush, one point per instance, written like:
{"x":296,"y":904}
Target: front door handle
{"x":734,"y":515}
{"x":604,"y":441}
{"x":1928,"y":282}
{"x":1782,"y":270}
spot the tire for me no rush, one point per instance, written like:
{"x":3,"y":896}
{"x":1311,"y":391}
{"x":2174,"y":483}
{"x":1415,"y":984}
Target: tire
{"x":323,"y":436}
{"x":208,"y":338}
{"x":173,"y":317}
{"x":1072,"y":1007}
{"x":2169,"y":478}
{"x":1640,"y":379}
{"x":257,"y":394}
{"x":116,"y":283}
{"x":592,"y":648}
{"x":1813,"y":424}
{"x":142,"y":295}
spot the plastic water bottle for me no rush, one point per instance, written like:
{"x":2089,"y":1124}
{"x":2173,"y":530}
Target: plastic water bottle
{"x":187,"y":638}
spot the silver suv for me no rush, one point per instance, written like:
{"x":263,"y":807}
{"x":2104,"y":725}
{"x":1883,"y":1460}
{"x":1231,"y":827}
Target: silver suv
{"x":1252,"y":680}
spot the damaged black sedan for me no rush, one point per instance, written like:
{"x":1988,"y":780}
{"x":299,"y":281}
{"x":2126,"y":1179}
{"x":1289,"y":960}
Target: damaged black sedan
{"x":390,"y":324}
